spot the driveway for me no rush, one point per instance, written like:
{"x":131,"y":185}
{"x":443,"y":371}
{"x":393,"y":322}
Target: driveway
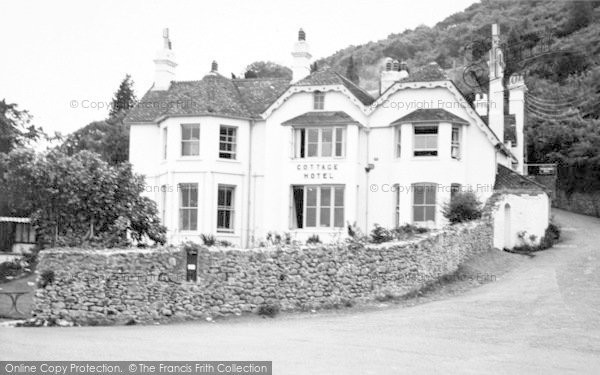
{"x":542,"y":317}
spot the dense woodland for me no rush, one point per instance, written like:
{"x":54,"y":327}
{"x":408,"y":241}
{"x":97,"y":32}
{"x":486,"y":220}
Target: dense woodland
{"x":554,"y":44}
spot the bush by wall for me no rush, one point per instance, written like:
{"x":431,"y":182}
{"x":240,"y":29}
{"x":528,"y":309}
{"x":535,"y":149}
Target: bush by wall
{"x":143,"y":285}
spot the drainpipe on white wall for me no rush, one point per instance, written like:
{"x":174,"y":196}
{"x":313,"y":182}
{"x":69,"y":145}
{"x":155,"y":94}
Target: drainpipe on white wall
{"x":249,"y":203}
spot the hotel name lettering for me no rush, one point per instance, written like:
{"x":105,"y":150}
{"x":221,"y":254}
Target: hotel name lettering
{"x":318,"y":171}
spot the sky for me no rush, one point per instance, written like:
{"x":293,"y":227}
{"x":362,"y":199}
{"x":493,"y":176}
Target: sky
{"x":63,"y":60}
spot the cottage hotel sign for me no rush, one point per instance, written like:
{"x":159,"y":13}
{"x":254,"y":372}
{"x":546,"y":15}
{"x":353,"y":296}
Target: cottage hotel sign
{"x":318,"y":171}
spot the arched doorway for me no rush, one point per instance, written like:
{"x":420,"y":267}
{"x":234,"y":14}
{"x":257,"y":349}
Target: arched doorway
{"x":507,"y":227}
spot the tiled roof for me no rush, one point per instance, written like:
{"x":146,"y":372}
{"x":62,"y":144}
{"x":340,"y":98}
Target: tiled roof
{"x":509,"y":180}
{"x":430,"y":115}
{"x":320,"y":118}
{"x":510,"y":128}
{"x":427,"y":73}
{"x":213,"y":95}
{"x":258,"y":94}
{"x":329,"y":77}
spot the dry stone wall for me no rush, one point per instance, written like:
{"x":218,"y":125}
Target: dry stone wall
{"x":121,"y":286}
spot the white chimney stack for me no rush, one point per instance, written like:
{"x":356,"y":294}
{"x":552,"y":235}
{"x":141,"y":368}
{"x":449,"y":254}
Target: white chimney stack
{"x":516,"y":106}
{"x":392,"y":72}
{"x":496,"y":102}
{"x":164,"y":65}
{"x":302,"y":56}
{"x":481,"y":104}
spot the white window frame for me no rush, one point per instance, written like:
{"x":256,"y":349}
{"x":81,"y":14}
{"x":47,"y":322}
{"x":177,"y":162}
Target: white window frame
{"x":191,"y":140}
{"x":230,"y":209}
{"x":455,"y":144}
{"x":418,"y":136}
{"x":335,"y":140}
{"x":318,"y":100}
{"x":428,"y":187}
{"x":163,"y":204}
{"x":165,"y":133}
{"x":396,"y":204}
{"x":318,"y":207}
{"x":188,"y":210}
{"x":230,"y":139}
{"x":398,"y":142}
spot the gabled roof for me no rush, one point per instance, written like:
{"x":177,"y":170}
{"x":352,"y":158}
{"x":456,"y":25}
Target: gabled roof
{"x":430,"y":115}
{"x":509,"y":180}
{"x":329,"y":77}
{"x":321,"y":118}
{"x":510,"y":128}
{"x":213,"y":95}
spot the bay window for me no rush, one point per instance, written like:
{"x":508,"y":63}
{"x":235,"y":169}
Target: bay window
{"x":317,"y":206}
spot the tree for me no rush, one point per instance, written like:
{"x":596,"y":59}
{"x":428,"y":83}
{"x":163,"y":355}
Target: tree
{"x":109,"y":138}
{"x":79,"y":200}
{"x":580,"y":14}
{"x":269,"y":69}
{"x":351,"y":71}
{"x":16,"y":129}
{"x":124,"y":98}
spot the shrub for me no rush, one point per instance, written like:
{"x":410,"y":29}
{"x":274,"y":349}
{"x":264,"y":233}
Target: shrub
{"x":408,"y":230}
{"x":464,"y":206}
{"x":268,"y":309}
{"x":314,"y":239}
{"x":225,"y":243}
{"x":46,"y":278}
{"x":380,"y":234}
{"x":208,"y":239}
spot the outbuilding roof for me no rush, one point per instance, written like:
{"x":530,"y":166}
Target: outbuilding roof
{"x":509,"y":180}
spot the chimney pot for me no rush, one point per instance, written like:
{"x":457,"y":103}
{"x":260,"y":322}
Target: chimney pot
{"x":301,"y":35}
{"x":214,"y":66}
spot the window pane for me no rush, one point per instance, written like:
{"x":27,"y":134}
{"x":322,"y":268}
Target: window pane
{"x":339,"y":196}
{"x":311,"y":196}
{"x":327,"y":142}
{"x":418,"y":213}
{"x":312,"y":149}
{"x":339,"y":141}
{"x":193,"y":219}
{"x":325,"y":216}
{"x":313,"y":135}
{"x":419,"y":194}
{"x":185,"y":132}
{"x":325,"y":196}
{"x":311,"y":217}
{"x":430,"y":213}
{"x":339,"y":217}
{"x":195,"y":148}
{"x":430,"y":194}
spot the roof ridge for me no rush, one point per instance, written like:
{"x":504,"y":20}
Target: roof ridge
{"x":352,"y":83}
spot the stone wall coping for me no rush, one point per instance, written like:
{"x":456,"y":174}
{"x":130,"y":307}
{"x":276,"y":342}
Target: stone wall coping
{"x":274,"y":248}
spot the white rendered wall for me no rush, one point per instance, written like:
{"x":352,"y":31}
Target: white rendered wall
{"x":528,"y":213}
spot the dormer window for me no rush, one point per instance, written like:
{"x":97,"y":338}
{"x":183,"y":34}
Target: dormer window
{"x":426,"y":140}
{"x":319,"y":100}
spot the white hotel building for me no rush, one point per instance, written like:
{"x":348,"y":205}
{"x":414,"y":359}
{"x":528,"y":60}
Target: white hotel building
{"x":239,"y":158}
